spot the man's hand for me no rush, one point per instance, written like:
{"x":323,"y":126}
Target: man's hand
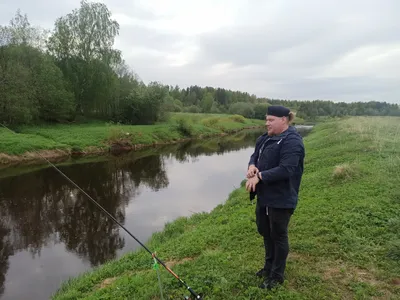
{"x":252,"y":171}
{"x":251,"y":183}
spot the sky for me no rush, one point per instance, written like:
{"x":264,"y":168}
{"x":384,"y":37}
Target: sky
{"x":343,"y":50}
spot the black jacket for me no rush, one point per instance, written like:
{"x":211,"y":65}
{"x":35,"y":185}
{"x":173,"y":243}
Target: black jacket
{"x":281,"y":163}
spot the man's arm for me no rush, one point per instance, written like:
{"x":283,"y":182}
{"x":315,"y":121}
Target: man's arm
{"x":291,"y":152}
{"x":254,"y":156}
{"x":253,"y":159}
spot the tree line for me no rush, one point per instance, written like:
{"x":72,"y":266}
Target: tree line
{"x":318,"y":108}
{"x":74,"y":72}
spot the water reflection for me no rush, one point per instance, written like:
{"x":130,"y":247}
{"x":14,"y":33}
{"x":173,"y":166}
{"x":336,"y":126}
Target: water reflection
{"x":45,"y":216}
{"x":5,"y":252}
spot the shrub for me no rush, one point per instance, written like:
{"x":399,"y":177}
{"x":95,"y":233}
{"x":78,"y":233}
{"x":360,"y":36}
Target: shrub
{"x":345,"y":171}
{"x":215,"y":109}
{"x":115,"y":134}
{"x":210,"y":122}
{"x":238,"y":119}
{"x":184,"y":126}
{"x":192,"y":109}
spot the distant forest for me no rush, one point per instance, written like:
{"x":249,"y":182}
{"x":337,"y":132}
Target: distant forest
{"x":73,"y":72}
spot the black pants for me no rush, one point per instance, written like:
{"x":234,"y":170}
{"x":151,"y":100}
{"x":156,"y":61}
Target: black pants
{"x":272,"y":224}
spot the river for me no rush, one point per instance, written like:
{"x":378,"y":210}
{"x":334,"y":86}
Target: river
{"x":50,"y":231}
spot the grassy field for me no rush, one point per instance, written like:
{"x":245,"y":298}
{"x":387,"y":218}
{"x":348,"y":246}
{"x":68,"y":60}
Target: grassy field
{"x":95,"y":136}
{"x":344,"y":235}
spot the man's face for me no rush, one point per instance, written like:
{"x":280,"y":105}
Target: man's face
{"x":275,"y":125}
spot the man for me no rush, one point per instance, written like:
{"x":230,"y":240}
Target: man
{"x":274,"y":174}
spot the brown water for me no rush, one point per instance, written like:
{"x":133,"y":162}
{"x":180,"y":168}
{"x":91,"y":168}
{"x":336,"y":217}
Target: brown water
{"x":49,"y":231}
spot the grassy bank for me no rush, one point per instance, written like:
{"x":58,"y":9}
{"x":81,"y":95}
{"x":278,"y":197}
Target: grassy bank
{"x":61,"y":140}
{"x":344,"y":236}
{"x":192,"y":148}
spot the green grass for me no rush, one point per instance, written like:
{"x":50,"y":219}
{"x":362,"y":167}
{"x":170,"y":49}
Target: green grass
{"x":13,"y":144}
{"x":344,"y":235}
{"x":96,"y":135}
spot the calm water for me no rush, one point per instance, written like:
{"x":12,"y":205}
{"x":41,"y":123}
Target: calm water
{"x":49,"y":231}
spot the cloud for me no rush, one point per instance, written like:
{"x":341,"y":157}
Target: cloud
{"x":310,"y":50}
{"x":334,"y":49}
{"x":142,"y":37}
{"x":40,"y":12}
{"x":130,"y":9}
{"x":351,"y":88}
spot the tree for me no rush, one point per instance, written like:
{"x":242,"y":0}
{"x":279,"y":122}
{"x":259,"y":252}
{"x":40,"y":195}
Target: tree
{"x":260,"y":110}
{"x":169,"y":104}
{"x":221,"y":97}
{"x":55,"y":102}
{"x":207,"y":102}
{"x":22,"y":33}
{"x":82,"y":44}
{"x":143,"y":105}
{"x":15,"y":88}
{"x":87,"y":33}
{"x":176,"y":93}
{"x":242,"y":108}
{"x":32,"y":87}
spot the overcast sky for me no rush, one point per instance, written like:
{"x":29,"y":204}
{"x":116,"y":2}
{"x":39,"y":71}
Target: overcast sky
{"x":343,"y":50}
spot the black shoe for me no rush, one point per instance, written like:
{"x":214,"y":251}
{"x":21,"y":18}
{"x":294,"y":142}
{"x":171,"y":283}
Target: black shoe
{"x":265,"y":284}
{"x":262,"y":273}
{"x":273,"y":283}
{"x":269,"y":283}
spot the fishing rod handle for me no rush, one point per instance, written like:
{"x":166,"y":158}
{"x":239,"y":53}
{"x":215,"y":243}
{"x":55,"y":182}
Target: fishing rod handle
{"x":194,"y":293}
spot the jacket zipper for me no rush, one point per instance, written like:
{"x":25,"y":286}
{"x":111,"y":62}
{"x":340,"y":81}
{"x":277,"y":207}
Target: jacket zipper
{"x":262,"y":149}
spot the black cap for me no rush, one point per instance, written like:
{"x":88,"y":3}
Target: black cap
{"x":278,"y":111}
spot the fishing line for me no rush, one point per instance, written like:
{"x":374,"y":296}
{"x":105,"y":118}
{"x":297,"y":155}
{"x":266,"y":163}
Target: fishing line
{"x":116,"y":221}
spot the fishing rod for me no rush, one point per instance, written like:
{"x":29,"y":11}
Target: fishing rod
{"x":192,"y":292}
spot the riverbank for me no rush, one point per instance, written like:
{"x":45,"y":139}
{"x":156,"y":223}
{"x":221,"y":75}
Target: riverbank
{"x":62,"y":141}
{"x":344,"y":234}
